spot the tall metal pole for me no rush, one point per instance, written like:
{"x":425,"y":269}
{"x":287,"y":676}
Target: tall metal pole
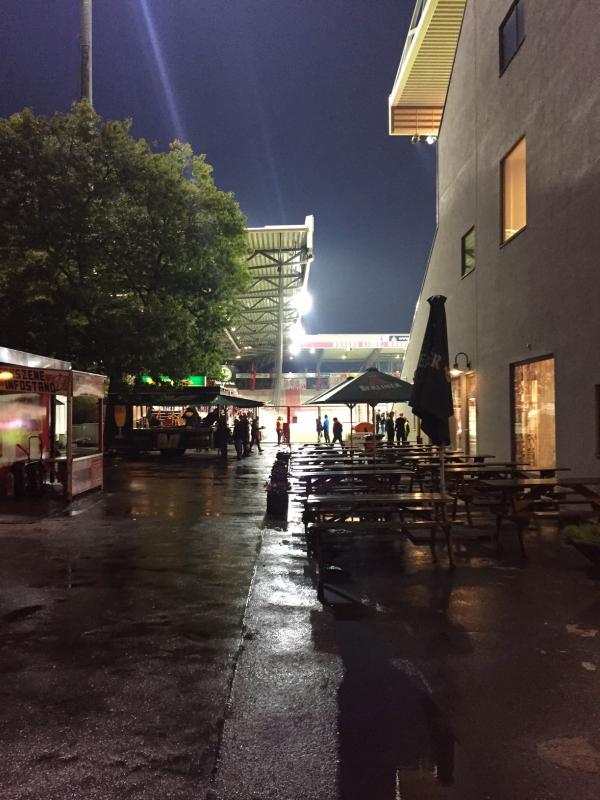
{"x":278,"y":382}
{"x":86,"y":50}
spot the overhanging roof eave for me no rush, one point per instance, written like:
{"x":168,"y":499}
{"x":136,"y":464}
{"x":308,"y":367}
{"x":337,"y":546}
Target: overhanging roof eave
{"x":416,"y":102}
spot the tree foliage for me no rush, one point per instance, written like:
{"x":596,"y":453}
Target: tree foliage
{"x":117,"y":258}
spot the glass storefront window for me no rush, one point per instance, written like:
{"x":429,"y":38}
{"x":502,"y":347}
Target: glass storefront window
{"x":534,"y":430}
{"x":514,"y":191}
{"x":456,"y":426}
{"x":471,"y":391}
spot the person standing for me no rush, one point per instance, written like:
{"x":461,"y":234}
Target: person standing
{"x":238,"y":437}
{"x":279,"y":429}
{"x":337,"y":432}
{"x":389,"y":428}
{"x":319,"y":429}
{"x":399,"y":427}
{"x":326,"y":429}
{"x":255,"y":434}
{"x":222,"y":435}
{"x":245,"y":433}
{"x":404,"y":429}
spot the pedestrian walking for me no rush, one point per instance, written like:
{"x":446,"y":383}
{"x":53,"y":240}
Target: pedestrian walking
{"x":326,"y":429}
{"x":337,"y":432}
{"x":255,"y":434}
{"x":319,"y":429}
{"x":279,"y":429}
{"x":389,"y":428}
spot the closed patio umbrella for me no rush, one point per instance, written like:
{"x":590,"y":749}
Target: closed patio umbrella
{"x":431,"y":397}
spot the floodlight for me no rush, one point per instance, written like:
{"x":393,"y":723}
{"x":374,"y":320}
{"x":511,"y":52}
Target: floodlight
{"x":302,"y":302}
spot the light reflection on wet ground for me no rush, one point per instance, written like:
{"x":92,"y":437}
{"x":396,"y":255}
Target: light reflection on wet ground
{"x":120,"y":626}
{"x":423,"y":683}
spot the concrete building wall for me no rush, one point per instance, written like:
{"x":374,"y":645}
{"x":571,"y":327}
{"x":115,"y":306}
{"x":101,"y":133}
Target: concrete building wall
{"x":538,"y":294}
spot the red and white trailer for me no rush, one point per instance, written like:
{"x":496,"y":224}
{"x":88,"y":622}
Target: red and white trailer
{"x":51,"y":420}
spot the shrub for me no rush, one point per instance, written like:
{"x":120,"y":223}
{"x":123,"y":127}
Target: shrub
{"x":588,"y":532}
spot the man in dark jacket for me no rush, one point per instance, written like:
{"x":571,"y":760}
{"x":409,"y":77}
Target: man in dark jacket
{"x":389,"y":428}
{"x":222,"y":434}
{"x":402,"y":429}
{"x":255,"y":434}
{"x":337,"y":432}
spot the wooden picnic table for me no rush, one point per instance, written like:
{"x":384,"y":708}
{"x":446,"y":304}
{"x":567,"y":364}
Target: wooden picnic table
{"x":393,"y":512}
{"x":555,"y":497}
{"x":339,"y":458}
{"x":355,"y":478}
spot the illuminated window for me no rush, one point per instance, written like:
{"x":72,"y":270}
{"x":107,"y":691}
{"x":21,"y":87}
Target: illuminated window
{"x":514,"y":191}
{"x":463,"y":425}
{"x":468,"y":252}
{"x":512,"y":33}
{"x":471,"y":392}
{"x":534,"y":429}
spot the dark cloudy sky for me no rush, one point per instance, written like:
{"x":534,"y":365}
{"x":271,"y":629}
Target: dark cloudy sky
{"x":287,"y":99}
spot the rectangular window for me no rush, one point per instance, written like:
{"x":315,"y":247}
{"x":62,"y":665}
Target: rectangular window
{"x":514,"y":191}
{"x":533,"y":414}
{"x":512,"y":33}
{"x":468,"y":252}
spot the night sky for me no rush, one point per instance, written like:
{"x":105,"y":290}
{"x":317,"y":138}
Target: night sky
{"x":287,"y":99}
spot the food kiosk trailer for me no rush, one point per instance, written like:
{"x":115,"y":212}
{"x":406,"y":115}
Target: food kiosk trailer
{"x":51,"y":425}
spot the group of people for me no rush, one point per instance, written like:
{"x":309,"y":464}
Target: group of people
{"x":393,"y":429}
{"x":397,"y":429}
{"x":246,"y":434}
{"x":323,"y":430}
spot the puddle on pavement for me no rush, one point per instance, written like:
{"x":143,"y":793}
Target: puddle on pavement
{"x":394,"y":742}
{"x":20,"y":613}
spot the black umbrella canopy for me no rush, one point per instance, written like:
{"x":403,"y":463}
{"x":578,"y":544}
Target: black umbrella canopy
{"x":370,"y":387}
{"x":431,"y":398}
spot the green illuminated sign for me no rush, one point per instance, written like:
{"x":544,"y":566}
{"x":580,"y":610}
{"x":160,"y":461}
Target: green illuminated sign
{"x":191,"y":380}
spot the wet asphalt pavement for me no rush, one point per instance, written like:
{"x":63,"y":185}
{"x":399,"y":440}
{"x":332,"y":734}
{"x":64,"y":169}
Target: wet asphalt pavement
{"x":166,"y":641}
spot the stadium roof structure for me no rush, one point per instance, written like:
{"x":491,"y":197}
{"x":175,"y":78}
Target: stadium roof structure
{"x":416,"y":103}
{"x":364,"y":349}
{"x":279,"y":264}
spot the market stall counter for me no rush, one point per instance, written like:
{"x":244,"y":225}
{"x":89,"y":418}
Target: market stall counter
{"x":167,"y":420}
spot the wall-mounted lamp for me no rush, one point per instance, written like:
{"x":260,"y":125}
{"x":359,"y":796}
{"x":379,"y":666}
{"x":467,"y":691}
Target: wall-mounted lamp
{"x":456,"y":370}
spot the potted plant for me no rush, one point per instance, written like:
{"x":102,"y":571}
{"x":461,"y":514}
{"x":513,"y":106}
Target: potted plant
{"x":585,"y":538}
{"x":277,"y":488}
